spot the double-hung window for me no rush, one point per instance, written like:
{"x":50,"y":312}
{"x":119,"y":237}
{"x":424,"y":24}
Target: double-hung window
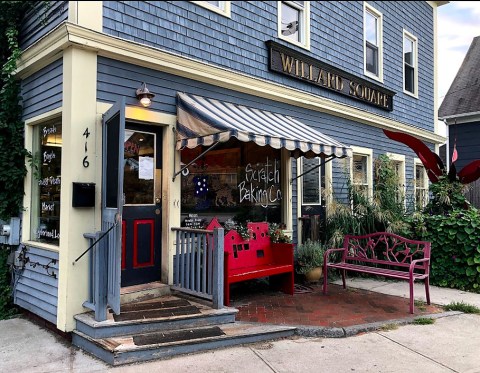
{"x":410,"y":61}
{"x":294,"y":22}
{"x":373,"y":42}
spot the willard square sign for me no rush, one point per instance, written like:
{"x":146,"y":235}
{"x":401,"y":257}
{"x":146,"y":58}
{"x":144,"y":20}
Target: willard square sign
{"x":289,"y":62}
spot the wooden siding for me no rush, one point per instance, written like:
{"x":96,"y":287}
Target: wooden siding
{"x":41,"y":20}
{"x":116,"y":79}
{"x":34,"y":289}
{"x":238,"y":43}
{"x":42,"y":91}
{"x":467,"y":138}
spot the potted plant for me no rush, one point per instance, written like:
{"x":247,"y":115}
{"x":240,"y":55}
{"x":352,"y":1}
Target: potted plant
{"x":309,"y":260}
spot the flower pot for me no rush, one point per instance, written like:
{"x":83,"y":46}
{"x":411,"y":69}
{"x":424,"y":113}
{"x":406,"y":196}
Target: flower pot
{"x":314,"y":274}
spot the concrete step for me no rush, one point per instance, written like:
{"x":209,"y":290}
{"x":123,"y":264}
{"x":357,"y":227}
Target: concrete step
{"x":160,"y":314}
{"x":160,"y":345}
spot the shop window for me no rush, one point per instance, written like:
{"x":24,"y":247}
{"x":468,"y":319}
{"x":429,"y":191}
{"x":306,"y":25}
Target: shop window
{"x":236,"y":182}
{"x":421,"y":186}
{"x":221,"y":7}
{"x":410,"y":63}
{"x":373,"y":42}
{"x":47,"y":159}
{"x":294,"y":22}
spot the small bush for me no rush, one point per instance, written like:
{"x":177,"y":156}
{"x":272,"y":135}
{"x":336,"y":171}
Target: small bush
{"x":423,"y":321}
{"x":462,"y":307}
{"x":6,"y":305}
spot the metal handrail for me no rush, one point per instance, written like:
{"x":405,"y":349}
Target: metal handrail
{"x":97,"y":241}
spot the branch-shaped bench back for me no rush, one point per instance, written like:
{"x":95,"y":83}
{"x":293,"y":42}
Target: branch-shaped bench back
{"x":383,"y":247}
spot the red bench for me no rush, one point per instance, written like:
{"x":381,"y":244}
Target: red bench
{"x":256,"y":258}
{"x":383,"y":254}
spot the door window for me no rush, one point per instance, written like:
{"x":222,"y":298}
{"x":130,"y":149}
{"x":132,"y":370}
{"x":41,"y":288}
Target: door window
{"x":139,"y":166}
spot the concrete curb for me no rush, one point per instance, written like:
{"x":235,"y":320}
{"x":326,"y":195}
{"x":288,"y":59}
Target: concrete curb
{"x":349,"y":331}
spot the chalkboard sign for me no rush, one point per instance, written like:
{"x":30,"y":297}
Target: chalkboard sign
{"x":193,"y":221}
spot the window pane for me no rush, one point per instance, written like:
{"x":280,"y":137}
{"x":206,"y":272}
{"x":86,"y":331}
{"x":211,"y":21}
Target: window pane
{"x":290,"y":22}
{"x":139,"y":165}
{"x":311,"y":181}
{"x":409,"y":79}
{"x":360,"y":169}
{"x":235,"y":181}
{"x":47,"y":183}
{"x":408,"y":51}
{"x":420,"y":176}
{"x":218,"y":4}
{"x":372,"y":59}
{"x":371,"y":28}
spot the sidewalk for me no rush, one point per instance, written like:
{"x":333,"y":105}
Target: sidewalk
{"x":450,"y":344}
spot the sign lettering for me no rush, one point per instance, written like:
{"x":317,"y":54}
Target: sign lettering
{"x":289,"y":62}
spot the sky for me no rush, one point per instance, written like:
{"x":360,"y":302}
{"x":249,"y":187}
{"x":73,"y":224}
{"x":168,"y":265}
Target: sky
{"x":458,"y":24}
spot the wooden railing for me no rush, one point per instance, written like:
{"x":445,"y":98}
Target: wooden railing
{"x":198,"y":263}
{"x":98,"y":274}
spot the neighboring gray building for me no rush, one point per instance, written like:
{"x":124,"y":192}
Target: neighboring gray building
{"x":460,"y":110}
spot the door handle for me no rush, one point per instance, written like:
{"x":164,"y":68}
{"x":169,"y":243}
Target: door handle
{"x":158,"y":200}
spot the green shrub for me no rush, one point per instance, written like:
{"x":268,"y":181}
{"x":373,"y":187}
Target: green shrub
{"x":6,"y":306}
{"x":360,"y":214}
{"x":308,"y":256}
{"x":455,"y":238}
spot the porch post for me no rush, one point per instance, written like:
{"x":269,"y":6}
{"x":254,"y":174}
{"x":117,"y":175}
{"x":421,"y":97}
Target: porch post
{"x":217,"y":278}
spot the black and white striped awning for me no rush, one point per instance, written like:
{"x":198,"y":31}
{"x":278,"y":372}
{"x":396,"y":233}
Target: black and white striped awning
{"x":205,"y":121}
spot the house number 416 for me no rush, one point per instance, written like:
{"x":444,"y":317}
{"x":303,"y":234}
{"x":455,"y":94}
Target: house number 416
{"x":86,"y":163}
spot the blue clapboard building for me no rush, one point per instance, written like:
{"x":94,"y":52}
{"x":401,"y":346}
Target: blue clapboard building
{"x":153,"y":115}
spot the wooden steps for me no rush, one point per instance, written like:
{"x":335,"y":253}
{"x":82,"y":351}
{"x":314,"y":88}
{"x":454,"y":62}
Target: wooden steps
{"x":164,"y":327}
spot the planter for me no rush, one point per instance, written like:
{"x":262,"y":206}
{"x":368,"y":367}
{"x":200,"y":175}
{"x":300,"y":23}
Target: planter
{"x":314,"y":275}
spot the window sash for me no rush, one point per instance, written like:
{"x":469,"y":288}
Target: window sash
{"x":311,"y":182}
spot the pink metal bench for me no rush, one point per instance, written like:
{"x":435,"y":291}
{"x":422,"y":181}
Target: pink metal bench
{"x":383,"y":254}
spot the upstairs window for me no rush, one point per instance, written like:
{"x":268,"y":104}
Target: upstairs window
{"x":221,"y":7}
{"x":373,"y":35}
{"x":294,"y":22}
{"x":410,"y":63}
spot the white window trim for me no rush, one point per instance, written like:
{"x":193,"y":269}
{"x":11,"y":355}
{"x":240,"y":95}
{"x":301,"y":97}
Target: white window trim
{"x":418,"y":162}
{"x":357,"y":150}
{"x":379,"y":17}
{"x":408,"y":35}
{"x":227,"y":11}
{"x":400,"y":158}
{"x":306,"y":21}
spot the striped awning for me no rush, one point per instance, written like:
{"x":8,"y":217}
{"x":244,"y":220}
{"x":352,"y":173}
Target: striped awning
{"x":205,"y":121}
